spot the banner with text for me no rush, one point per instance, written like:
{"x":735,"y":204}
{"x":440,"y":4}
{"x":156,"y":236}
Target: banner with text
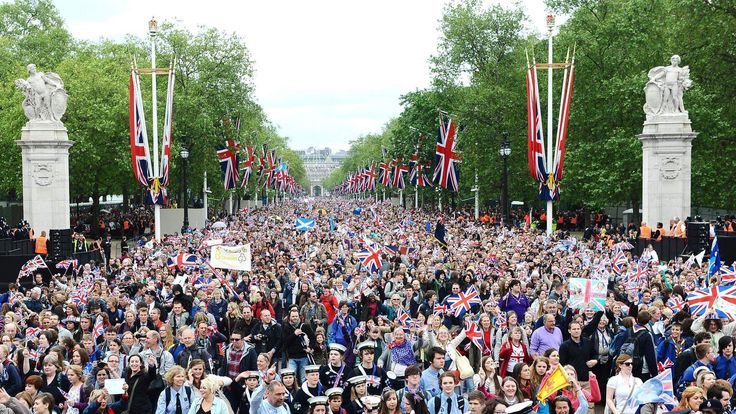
{"x":231,"y":257}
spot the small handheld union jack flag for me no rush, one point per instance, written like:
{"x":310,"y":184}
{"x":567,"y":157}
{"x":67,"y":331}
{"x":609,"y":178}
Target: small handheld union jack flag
{"x":501,"y":321}
{"x":462,"y":302}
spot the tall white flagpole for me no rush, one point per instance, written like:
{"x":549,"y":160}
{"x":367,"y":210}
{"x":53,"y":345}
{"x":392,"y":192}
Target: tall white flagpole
{"x":152,"y":30}
{"x":550,"y":146}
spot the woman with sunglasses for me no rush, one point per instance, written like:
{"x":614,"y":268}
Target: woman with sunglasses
{"x":621,"y":386}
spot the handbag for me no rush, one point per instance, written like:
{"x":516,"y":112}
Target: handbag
{"x":130,"y":398}
{"x":463,"y":365}
{"x":157,"y":385}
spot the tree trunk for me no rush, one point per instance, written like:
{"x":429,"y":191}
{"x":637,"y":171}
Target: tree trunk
{"x":126,"y":199}
{"x":635,"y":217}
{"x":95,"y":225}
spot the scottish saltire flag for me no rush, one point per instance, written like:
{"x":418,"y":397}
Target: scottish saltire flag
{"x":462,"y":302}
{"x":138,"y":135}
{"x":446,"y":172}
{"x":370,"y":257}
{"x":304,"y":224}
{"x":657,"y":390}
{"x":168,"y":130}
{"x":714,"y":261}
{"x":182,"y":261}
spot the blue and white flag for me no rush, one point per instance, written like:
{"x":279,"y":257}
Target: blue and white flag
{"x":714,"y":262}
{"x":304,"y":224}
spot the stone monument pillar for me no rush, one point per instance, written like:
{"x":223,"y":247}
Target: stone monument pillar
{"x":45,"y":149}
{"x":666,"y":143}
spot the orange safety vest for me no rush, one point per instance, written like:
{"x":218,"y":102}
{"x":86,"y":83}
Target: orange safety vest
{"x":41,"y":245}
{"x":645,"y":232}
{"x":679,"y":232}
{"x":661,"y":233}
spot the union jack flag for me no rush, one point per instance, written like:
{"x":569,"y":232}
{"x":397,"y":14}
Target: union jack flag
{"x":421,"y":179}
{"x":663,"y":365}
{"x":728,"y":275}
{"x":384,"y":174}
{"x":642,"y":394}
{"x":99,"y":327}
{"x":446,"y":172}
{"x":399,"y":172}
{"x":370,"y":257}
{"x":474,"y":334}
{"x":31,"y":266}
{"x":182,"y":261}
{"x":618,"y":261}
{"x":138,"y":135}
{"x":372,"y":380}
{"x":501,"y":322}
{"x":535,"y":150}
{"x":376,"y":218}
{"x":676,"y":303}
{"x":714,"y":297}
{"x":463,"y":301}
{"x":413,"y":163}
{"x":32,"y":332}
{"x":403,"y":317}
{"x":247,"y":165}
{"x":228,"y":163}
{"x":79,"y":298}
{"x":15,"y":298}
{"x":65,"y":264}
{"x":439,"y":309}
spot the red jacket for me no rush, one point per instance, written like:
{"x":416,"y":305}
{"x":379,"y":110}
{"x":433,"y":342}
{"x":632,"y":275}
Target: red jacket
{"x":331,"y":304}
{"x":505,"y":354}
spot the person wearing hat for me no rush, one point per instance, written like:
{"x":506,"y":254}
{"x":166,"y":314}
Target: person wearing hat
{"x":334,"y":401}
{"x":334,"y":373}
{"x":375,"y":376}
{"x":711,"y":406}
{"x":342,"y":326}
{"x":318,"y":405}
{"x":357,"y":391}
{"x":288,"y":378}
{"x":252,"y":380}
{"x":448,"y":402}
{"x":310,"y":388}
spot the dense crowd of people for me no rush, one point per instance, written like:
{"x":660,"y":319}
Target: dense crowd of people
{"x":315,"y":329}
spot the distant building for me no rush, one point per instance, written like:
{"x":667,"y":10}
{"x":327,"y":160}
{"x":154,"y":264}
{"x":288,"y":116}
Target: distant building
{"x":320,"y":163}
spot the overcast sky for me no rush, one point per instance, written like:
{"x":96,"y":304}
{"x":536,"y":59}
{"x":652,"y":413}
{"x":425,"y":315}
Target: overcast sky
{"x":327,"y":71}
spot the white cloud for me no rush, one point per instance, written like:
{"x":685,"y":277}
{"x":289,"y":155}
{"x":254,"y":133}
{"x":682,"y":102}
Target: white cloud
{"x":327,"y":71}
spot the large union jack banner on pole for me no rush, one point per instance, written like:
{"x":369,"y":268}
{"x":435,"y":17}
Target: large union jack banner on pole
{"x":539,"y":165}
{"x":446,"y":172}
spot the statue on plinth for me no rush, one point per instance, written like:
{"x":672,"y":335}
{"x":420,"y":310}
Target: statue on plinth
{"x":665,"y":88}
{"x":45,"y":97}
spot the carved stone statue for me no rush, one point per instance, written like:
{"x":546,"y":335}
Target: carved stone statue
{"x":45,"y":97}
{"x":665,"y":88}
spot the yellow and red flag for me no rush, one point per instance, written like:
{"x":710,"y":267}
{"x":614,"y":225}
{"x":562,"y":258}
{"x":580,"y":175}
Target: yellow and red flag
{"x":553,"y":382}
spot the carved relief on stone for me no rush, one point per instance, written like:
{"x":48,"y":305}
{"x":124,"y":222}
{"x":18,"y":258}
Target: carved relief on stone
{"x":43,"y":173}
{"x":670,"y":167}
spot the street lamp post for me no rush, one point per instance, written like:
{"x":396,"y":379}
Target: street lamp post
{"x":184,"y":157}
{"x":505,"y":152}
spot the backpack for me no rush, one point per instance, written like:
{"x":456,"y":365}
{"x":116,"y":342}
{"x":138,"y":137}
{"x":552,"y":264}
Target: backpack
{"x":630,"y":346}
{"x":438,"y":404}
{"x":187,"y":389}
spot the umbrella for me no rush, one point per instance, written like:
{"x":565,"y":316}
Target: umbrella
{"x":219,"y":225}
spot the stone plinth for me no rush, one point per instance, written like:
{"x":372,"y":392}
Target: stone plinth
{"x":45,"y":151}
{"x":666,"y":145}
